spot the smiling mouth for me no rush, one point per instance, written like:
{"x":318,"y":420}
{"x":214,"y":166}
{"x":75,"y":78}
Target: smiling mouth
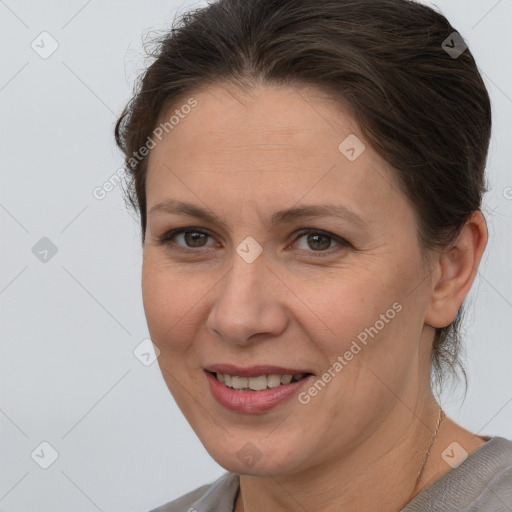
{"x":259,"y":383}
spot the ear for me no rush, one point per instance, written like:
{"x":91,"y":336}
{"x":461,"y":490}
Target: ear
{"x":454,"y":271}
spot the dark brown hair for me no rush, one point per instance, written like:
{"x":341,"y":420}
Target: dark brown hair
{"x":424,"y":109}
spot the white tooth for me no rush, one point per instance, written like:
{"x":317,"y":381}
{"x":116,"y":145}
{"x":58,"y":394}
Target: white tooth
{"x":220,"y":377}
{"x":227,"y":380}
{"x":286,"y":379}
{"x":239,"y":382}
{"x":273,"y":381}
{"x":258,"y":383}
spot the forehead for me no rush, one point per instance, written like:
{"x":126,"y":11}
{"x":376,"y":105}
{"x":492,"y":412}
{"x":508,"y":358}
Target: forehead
{"x":268,"y":144}
{"x":261,"y":117}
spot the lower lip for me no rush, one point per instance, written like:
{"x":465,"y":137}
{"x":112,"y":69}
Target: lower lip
{"x":252,"y":402}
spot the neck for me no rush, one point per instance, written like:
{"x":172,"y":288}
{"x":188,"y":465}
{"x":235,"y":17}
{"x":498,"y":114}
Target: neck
{"x":381,"y":472}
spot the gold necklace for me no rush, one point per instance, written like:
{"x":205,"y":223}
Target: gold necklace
{"x":441,"y":417}
{"x":432,"y":439}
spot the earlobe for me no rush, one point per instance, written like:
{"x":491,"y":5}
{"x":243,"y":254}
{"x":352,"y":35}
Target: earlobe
{"x":457,"y":267}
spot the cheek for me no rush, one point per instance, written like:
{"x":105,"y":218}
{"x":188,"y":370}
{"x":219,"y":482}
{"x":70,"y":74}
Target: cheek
{"x":346,"y":304}
{"x":367,"y":316}
{"x":170,"y":305}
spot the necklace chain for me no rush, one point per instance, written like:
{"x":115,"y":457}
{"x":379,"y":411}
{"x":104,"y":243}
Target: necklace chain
{"x":440,"y":419}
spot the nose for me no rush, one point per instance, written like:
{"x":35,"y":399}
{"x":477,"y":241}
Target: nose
{"x":249,"y":302}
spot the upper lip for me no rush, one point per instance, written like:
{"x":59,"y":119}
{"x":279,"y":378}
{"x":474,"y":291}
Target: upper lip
{"x":253,"y":371}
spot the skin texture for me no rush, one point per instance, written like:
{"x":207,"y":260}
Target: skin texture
{"x":360,"y":442}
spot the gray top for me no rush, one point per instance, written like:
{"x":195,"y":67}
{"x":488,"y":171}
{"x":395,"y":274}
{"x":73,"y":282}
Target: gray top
{"x":482,"y":483}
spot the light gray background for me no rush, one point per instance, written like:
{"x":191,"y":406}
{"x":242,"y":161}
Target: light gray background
{"x":69,"y":326}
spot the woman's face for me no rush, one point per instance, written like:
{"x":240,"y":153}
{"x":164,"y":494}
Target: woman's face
{"x":249,"y":286}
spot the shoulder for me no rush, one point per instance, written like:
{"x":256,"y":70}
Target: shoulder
{"x":497,"y":494}
{"x":183,"y":503}
{"x":481,"y":483}
{"x":218,"y":495}
{"x":485,"y":478}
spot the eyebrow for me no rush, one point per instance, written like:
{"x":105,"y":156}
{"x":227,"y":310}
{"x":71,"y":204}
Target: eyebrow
{"x":172,"y":206}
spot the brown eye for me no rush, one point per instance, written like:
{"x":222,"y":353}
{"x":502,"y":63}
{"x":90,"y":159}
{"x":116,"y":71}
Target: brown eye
{"x":318,"y":242}
{"x":313,"y":240}
{"x":195,"y":238}
{"x":187,"y":238}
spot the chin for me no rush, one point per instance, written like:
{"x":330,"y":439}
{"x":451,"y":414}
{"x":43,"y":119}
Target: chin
{"x":258,"y":457}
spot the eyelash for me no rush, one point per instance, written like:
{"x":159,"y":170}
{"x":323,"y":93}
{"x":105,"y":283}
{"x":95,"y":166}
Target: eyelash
{"x":167,"y":239}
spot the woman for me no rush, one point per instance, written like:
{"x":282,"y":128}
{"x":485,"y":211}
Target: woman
{"x":309,"y":177}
